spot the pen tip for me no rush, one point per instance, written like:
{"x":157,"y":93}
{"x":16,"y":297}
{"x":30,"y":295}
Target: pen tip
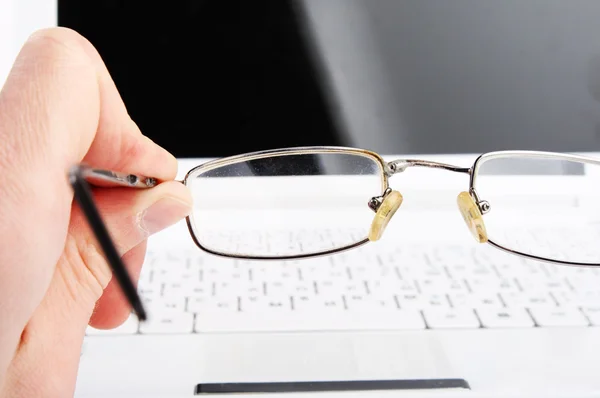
{"x":140,"y":312}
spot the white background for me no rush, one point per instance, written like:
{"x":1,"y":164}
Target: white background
{"x":18,"y":19}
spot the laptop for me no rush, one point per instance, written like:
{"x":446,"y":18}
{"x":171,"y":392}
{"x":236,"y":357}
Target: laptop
{"x":425,"y":311}
{"x":503,"y":337}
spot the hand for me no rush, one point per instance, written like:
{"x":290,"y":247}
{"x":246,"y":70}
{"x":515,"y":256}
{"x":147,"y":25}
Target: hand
{"x":59,"y":107}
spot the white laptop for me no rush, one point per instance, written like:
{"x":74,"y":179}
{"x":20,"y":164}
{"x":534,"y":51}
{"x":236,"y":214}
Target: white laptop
{"x":508,"y":332}
{"x":426,"y":311}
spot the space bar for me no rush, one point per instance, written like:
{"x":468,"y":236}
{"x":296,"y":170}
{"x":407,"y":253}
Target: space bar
{"x":282,"y":322}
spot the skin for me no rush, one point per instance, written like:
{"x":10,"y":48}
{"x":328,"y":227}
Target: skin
{"x":60,"y":107}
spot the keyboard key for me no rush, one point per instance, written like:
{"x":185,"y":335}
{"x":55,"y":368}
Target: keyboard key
{"x":564,"y":316}
{"x":533,"y":299}
{"x":366,"y":303}
{"x":451,"y":318}
{"x":504,"y":318}
{"x":150,"y":292}
{"x":436,"y":301}
{"x":411,"y":301}
{"x":319,"y":304}
{"x":385,"y":287}
{"x":165,"y":304}
{"x":269,"y":305}
{"x":592,"y":314}
{"x":492,"y":284}
{"x":441,"y":285}
{"x":475,"y":300}
{"x":311,"y":321}
{"x":542,"y":284}
{"x":187,"y":289}
{"x":204,"y":305}
{"x":577,"y":298}
{"x":168,"y":323}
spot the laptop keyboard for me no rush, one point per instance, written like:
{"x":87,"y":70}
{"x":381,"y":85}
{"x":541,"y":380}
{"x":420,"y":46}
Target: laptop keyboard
{"x":417,"y":287}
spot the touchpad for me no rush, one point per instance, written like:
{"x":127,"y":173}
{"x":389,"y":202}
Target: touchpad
{"x":320,"y":362}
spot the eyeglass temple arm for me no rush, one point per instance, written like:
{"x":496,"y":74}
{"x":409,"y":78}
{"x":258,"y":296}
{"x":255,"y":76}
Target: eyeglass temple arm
{"x":116,"y":178}
{"x":80,"y":178}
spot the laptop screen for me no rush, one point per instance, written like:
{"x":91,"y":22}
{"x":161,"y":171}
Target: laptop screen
{"x":214,"y":78}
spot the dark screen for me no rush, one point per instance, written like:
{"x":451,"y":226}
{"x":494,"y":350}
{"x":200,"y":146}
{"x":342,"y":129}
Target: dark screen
{"x":220,"y":77}
{"x":209,"y":77}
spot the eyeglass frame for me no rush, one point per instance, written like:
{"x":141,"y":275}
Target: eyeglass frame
{"x":82,"y":176}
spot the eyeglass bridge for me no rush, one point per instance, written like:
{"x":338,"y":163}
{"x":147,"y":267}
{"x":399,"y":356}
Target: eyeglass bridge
{"x":400,"y":165}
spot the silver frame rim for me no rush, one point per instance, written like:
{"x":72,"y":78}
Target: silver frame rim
{"x":481,"y":159}
{"x":387,"y":171}
{"x":215,"y":163}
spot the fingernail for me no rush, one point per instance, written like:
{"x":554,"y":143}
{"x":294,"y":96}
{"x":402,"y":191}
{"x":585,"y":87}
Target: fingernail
{"x":164,"y":213}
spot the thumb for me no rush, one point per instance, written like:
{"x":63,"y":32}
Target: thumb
{"x":131,"y":216}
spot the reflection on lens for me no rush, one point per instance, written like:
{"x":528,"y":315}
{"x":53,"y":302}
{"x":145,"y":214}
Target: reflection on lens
{"x":542,"y":206}
{"x":285,"y":205}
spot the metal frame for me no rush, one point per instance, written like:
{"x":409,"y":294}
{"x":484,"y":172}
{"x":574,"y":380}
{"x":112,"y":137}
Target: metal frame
{"x":81,"y":175}
{"x":388,"y":170}
{"x":533,"y":155}
{"x":213,"y":164}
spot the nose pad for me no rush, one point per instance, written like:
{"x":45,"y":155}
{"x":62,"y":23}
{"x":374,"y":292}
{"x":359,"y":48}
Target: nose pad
{"x":386,"y":210}
{"x":472,"y":215}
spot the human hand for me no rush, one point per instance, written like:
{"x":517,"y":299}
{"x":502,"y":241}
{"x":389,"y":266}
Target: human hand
{"x":59,"y":107}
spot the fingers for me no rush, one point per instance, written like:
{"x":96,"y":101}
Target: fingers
{"x":117,"y":134}
{"x":73,"y":110}
{"x":131,"y":216}
{"x":58,"y":107}
{"x":113,"y":309}
{"x":52,"y":337}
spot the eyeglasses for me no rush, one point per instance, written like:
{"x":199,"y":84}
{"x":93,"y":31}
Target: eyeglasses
{"x":304,"y":202}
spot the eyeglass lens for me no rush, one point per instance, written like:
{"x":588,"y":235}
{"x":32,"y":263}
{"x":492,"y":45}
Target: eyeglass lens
{"x":286,"y":205}
{"x":544,"y":207}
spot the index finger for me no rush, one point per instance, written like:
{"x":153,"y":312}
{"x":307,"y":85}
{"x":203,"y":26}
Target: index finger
{"x":81,"y":116}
